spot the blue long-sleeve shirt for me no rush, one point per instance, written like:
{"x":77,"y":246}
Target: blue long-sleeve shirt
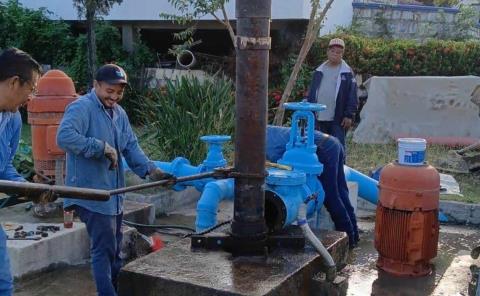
{"x":83,"y":131}
{"x":10,"y":128}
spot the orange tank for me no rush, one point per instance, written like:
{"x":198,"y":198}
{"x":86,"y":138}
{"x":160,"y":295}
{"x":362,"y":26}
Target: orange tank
{"x":45,"y":111}
{"x":406,"y":226}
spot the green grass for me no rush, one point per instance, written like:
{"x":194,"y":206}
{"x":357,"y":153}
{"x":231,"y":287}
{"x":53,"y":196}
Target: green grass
{"x":367,"y":157}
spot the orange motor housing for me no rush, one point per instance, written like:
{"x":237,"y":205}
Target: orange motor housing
{"x":406,"y":226}
{"x":45,"y":111}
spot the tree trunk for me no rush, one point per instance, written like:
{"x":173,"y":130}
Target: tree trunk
{"x":313,"y":28}
{"x":91,"y":43}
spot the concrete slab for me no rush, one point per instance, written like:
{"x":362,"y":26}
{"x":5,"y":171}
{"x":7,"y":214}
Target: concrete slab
{"x":456,"y":278}
{"x":429,"y":107}
{"x":65,"y":247}
{"x":139,"y":212}
{"x":353,"y":194}
{"x":176,"y":270}
{"x":63,"y":281}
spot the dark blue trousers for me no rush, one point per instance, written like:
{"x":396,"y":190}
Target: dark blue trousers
{"x":6,"y":281}
{"x":333,"y":129}
{"x":105,"y":238}
{"x":331,"y":154}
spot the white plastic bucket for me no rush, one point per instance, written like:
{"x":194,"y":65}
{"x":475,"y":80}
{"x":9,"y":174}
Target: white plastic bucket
{"x":411,"y":151}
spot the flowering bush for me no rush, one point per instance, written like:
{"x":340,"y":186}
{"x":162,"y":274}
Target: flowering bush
{"x":404,"y":57}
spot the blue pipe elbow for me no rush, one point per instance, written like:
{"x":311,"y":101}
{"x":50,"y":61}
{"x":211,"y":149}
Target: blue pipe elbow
{"x":213,"y":193}
{"x":367,"y":187}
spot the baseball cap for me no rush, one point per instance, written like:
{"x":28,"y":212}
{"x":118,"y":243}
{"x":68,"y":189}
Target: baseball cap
{"x":111,"y":74}
{"x":336,"y":42}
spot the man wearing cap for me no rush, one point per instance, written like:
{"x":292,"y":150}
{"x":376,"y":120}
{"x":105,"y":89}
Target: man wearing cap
{"x":95,"y":132}
{"x":19,"y":74}
{"x":333,"y":84}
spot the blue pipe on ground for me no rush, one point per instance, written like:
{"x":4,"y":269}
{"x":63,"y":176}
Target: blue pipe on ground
{"x":367,"y":187}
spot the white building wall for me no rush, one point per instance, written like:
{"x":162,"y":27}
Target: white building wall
{"x":148,"y":10}
{"x":339,"y":15}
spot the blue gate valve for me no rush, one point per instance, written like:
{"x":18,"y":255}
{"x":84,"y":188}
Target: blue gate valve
{"x":301,"y":149}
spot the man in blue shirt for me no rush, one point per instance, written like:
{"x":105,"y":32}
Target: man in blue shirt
{"x":19,"y":74}
{"x":95,"y":132}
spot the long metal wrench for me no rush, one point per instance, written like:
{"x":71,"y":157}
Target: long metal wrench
{"x":162,"y":183}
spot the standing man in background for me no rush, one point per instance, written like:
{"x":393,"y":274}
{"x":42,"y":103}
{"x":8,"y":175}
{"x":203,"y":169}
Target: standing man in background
{"x":333,"y":84}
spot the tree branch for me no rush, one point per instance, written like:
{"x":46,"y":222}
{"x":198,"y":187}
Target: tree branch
{"x":313,"y":28}
{"x":229,"y":27}
{"x":218,"y":19}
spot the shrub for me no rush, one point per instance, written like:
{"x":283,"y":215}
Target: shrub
{"x":109,"y":49}
{"x":50,"y":42}
{"x":23,"y":160}
{"x":177,"y":115}
{"x":381,"y":57}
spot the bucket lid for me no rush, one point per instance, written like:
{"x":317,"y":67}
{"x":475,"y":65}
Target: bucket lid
{"x":412,"y":141}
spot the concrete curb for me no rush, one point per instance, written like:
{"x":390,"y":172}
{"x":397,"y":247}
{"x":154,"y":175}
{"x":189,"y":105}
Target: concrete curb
{"x":166,"y":201}
{"x":460,"y":212}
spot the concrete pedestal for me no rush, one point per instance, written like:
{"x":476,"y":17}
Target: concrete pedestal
{"x":177,"y":270}
{"x":64,"y":247}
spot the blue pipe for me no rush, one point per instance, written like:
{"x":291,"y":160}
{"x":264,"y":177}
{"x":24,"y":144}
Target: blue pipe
{"x":207,"y":207}
{"x":181,"y":167}
{"x":367,"y":187}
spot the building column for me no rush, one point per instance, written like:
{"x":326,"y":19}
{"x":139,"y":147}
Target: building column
{"x":129,"y":36}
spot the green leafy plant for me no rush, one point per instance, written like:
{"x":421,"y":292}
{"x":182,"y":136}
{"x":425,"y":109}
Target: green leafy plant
{"x":109,"y":48}
{"x":191,"y":10}
{"x":23,"y":160}
{"x":48,"y":41}
{"x":177,"y":115}
{"x":91,"y":9}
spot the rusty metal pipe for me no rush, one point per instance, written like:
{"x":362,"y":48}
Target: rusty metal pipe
{"x":161,"y":183}
{"x":253,"y":45}
{"x":35,"y":189}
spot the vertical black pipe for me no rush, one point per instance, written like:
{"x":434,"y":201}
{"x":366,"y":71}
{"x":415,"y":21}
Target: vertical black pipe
{"x":253,"y":45}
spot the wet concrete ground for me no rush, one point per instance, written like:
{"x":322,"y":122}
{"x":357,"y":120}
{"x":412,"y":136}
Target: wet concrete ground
{"x":363,"y":277}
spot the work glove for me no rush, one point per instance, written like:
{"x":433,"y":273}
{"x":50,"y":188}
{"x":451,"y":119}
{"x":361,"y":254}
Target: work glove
{"x":157,"y":174}
{"x":112,"y":155}
{"x":44,"y":197}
